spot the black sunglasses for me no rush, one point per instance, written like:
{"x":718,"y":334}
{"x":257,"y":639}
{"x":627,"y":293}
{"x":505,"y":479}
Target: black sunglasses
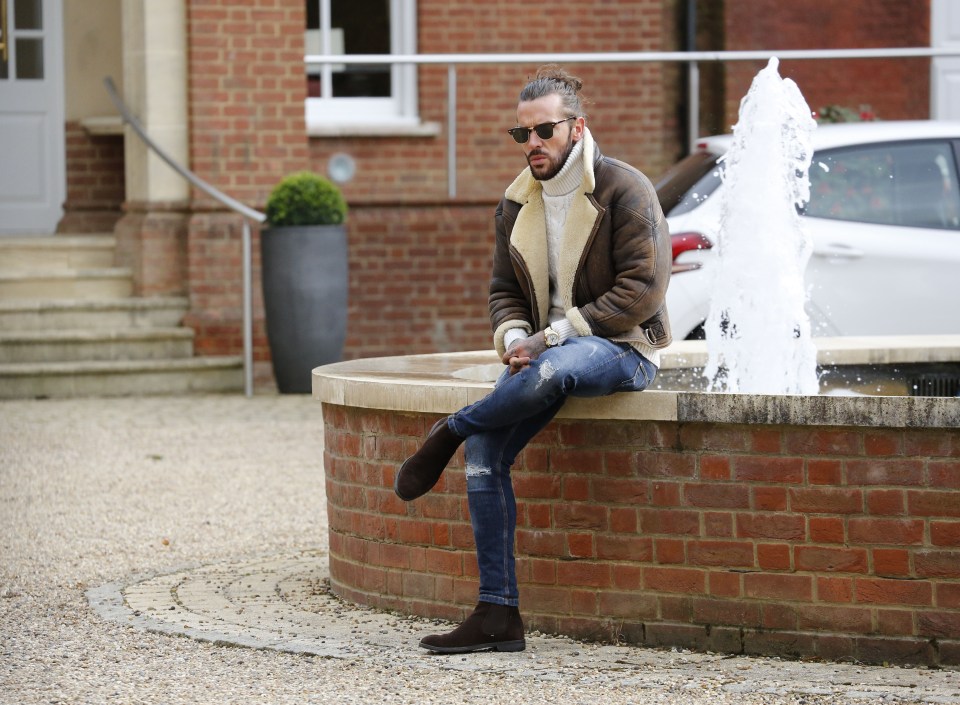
{"x":544,"y":130}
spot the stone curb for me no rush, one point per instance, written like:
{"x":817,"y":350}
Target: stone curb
{"x":283,"y":604}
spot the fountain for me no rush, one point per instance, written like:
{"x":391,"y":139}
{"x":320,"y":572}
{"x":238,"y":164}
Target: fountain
{"x":758,"y":333}
{"x":776,"y":523}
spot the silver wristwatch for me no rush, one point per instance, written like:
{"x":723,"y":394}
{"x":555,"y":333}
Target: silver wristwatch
{"x":551,"y":337}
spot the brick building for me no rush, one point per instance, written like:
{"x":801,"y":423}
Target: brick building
{"x":223,"y":86}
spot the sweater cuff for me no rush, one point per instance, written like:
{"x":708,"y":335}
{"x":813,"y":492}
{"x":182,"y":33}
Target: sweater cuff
{"x":512,"y":336}
{"x":503,"y":329}
{"x":564,"y":329}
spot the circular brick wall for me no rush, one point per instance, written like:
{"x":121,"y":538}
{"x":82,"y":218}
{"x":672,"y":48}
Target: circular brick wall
{"x":798,"y":526}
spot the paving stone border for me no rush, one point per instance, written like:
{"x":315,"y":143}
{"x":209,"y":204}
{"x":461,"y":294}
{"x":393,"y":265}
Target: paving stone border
{"x":283,"y":603}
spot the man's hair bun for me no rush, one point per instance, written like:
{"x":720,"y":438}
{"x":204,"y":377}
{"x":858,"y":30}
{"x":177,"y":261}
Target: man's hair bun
{"x":556,"y":73}
{"x":551,"y":79}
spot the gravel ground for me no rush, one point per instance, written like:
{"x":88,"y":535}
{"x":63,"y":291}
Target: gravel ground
{"x":99,"y":491}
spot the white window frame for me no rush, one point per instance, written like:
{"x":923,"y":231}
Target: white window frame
{"x":397,"y":113}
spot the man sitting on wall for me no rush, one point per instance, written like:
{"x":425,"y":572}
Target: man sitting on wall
{"x":580,"y":270}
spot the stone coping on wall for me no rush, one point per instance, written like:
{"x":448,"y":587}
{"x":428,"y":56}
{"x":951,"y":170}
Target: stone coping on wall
{"x":444,"y":382}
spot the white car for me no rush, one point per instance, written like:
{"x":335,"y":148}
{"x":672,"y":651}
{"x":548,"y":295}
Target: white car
{"x":883,"y":218}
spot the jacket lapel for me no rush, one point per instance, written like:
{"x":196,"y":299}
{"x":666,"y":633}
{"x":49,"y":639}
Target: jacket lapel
{"x":577,"y":231}
{"x":529,"y":238}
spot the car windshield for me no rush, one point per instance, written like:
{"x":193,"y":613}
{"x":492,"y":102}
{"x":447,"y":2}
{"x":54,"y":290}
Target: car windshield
{"x":688,"y":183}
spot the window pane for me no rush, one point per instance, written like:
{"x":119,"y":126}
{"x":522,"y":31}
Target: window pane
{"x":852,"y":185}
{"x":912,"y":185}
{"x":28,"y":14}
{"x":926,"y":181}
{"x":30,"y":58}
{"x":364,"y":28}
{"x":4,"y":69}
{"x":313,"y":14}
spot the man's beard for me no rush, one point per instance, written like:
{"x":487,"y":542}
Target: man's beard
{"x":554,"y":167}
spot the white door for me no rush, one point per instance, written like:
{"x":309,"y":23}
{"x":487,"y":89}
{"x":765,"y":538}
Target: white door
{"x":945,"y":82}
{"x":32,"y":180}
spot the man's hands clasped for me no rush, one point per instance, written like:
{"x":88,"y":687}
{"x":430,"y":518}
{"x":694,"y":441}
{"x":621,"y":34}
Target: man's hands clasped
{"x":522,"y":351}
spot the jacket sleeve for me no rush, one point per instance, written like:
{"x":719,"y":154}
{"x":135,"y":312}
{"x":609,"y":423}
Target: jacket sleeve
{"x":509,"y":304}
{"x":640,"y":264}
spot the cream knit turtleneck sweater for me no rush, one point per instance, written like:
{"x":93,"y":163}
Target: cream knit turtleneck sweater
{"x":557,"y":195}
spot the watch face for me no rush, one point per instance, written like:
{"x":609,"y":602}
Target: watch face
{"x":552,"y":338}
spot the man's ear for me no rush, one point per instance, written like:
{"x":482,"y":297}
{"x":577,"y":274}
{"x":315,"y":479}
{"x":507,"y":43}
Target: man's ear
{"x":579,"y":125}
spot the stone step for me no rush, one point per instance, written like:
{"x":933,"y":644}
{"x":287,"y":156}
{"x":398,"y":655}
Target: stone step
{"x":106,"y":283}
{"x":87,"y":314}
{"x":84,"y":345}
{"x":121,"y":378}
{"x":57,"y":252}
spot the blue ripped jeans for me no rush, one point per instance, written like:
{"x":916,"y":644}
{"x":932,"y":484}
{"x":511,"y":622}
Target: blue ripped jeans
{"x":498,"y":427}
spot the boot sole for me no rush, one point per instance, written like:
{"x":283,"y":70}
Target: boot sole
{"x":518,"y":645}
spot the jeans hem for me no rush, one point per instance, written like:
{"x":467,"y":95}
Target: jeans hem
{"x":497,"y":600}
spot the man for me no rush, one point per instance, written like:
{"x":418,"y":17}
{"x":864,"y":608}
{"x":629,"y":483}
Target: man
{"x":580,"y":269}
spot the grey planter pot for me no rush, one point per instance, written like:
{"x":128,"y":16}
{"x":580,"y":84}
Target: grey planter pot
{"x":304,"y":273}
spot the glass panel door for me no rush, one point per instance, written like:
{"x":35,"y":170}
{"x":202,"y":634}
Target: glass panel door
{"x":21,"y":40}
{"x":28,"y":14}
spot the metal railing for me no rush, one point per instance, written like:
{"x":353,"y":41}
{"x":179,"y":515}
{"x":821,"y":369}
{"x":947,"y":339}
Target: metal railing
{"x":691,"y":58}
{"x":249,"y":214}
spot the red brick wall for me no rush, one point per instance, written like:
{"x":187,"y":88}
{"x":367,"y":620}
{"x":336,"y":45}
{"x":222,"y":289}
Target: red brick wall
{"x":246,"y":93}
{"x":842,"y":543}
{"x":419,"y":277}
{"x":897,"y":89}
{"x":95,"y":181}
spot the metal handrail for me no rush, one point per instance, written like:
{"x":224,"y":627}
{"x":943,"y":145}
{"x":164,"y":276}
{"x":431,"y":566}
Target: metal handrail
{"x":231,"y":203}
{"x":691,"y":58}
{"x":630,"y":56}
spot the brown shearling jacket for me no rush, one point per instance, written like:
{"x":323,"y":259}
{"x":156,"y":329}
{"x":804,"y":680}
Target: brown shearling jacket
{"x":614,"y":266}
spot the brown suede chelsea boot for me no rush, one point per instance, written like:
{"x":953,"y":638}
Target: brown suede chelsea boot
{"x":490,"y":627}
{"x":420,"y":472}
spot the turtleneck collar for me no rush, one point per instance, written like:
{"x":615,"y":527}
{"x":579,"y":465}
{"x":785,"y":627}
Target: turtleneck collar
{"x":570,"y":176}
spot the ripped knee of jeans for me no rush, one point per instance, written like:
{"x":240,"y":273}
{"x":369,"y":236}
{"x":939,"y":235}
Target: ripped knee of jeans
{"x":479,"y":477}
{"x":547,"y":371}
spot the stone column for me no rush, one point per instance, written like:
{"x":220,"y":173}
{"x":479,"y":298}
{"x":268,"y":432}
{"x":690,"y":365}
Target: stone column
{"x":152,"y":235}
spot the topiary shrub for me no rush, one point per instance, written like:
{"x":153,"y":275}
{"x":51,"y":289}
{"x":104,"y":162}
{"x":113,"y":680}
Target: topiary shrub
{"x":305,"y":198}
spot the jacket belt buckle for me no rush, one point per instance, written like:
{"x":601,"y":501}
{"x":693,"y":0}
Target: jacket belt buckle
{"x":652,"y":335}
